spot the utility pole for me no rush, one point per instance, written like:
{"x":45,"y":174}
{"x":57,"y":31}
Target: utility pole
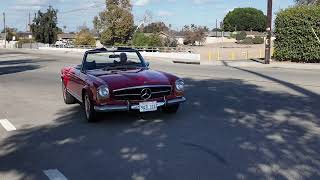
{"x":29,"y":25}
{"x":5,"y":30}
{"x":269,"y":33}
{"x":216,"y":28}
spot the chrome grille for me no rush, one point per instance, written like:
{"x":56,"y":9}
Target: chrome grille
{"x":134,"y":93}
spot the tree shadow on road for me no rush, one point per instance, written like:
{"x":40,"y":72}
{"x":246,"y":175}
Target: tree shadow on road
{"x":228,"y":129}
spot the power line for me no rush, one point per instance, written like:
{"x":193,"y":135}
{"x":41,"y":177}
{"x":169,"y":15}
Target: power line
{"x":95,"y":5}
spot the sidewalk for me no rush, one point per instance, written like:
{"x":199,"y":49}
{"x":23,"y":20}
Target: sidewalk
{"x":273,"y":64}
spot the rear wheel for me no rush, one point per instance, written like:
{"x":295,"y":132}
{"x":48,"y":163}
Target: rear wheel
{"x":89,"y":109}
{"x":171,"y":109}
{"x":67,"y":97}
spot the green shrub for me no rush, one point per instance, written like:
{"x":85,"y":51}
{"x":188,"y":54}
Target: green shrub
{"x":140,"y":39}
{"x":241,"y":36}
{"x":247,"y":40}
{"x":258,"y":40}
{"x":233,"y":35}
{"x":84,"y":37}
{"x":295,"y":39}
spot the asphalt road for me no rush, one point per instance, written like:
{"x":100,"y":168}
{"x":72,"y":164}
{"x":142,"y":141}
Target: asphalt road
{"x":238,"y":123}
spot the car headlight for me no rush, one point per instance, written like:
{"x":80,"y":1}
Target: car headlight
{"x":103,"y":91}
{"x":179,"y":85}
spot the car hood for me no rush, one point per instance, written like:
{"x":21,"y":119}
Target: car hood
{"x":130,"y":78}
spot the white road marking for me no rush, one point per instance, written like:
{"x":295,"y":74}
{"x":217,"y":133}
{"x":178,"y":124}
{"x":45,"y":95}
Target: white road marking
{"x":54,"y":174}
{"x":7,"y":125}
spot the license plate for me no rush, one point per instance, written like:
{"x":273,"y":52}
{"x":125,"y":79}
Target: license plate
{"x":148,"y":106}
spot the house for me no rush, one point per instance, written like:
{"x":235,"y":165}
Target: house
{"x":255,"y":33}
{"x":24,"y":35}
{"x":218,"y":34}
{"x":2,"y":35}
{"x":66,"y":37}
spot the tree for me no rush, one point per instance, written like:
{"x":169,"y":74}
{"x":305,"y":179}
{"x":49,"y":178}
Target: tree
{"x":84,"y":37}
{"x":245,"y":19}
{"x":125,"y":4}
{"x":44,"y":27}
{"x":194,"y":34}
{"x":155,"y":27}
{"x":308,"y":2}
{"x":10,"y":33}
{"x":115,"y":24}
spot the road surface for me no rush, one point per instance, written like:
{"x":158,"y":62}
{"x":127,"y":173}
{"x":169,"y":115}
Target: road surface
{"x":238,"y":123}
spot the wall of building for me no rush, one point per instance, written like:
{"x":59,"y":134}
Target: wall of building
{"x":209,"y":40}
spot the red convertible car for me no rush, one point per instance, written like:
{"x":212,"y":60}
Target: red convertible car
{"x":120,"y":80}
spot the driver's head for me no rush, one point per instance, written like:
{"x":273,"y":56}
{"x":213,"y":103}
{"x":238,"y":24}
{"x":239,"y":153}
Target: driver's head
{"x":123,"y":58}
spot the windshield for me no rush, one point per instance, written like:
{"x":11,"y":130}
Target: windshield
{"x":113,"y":60}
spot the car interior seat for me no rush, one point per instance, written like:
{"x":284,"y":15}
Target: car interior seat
{"x":123,"y":58}
{"x":90,"y":65}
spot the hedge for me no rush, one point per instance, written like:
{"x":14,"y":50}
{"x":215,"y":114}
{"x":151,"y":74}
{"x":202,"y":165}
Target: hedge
{"x":295,"y":39}
{"x":258,"y":40}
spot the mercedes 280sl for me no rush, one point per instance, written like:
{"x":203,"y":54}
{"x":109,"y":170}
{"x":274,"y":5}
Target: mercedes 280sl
{"x":120,"y":80}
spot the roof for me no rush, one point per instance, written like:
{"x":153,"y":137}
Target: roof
{"x":218,"y":34}
{"x":66,"y":36}
{"x":24,"y":34}
{"x":254,"y":33}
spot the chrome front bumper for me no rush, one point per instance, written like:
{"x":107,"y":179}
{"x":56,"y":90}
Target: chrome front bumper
{"x":112,"y":108}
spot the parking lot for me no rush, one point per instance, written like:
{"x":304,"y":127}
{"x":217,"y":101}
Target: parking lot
{"x":237,"y":123}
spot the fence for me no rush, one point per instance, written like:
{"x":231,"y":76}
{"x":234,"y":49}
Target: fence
{"x":183,"y":49}
{"x":216,"y":54}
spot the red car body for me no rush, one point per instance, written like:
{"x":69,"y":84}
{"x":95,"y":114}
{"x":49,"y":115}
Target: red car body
{"x":77,"y":83}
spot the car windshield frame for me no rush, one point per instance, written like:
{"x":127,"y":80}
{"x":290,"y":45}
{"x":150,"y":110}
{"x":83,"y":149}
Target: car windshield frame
{"x":142,"y":64}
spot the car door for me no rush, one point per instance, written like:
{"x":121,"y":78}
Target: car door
{"x":79,"y":82}
{"x":74,"y":82}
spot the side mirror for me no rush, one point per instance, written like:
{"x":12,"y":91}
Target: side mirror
{"x":147,"y":64}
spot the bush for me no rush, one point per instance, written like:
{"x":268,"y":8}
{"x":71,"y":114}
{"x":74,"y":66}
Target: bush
{"x":247,"y":40}
{"x":258,"y":40}
{"x":140,"y":39}
{"x":295,"y":39}
{"x":241,"y":36}
{"x":155,"y":40}
{"x":233,"y":35}
{"x":84,"y":37}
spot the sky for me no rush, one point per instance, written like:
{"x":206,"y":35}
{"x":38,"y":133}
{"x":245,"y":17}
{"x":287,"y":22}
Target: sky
{"x":74,"y":13}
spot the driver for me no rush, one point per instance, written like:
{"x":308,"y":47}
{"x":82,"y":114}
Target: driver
{"x":123,"y":58}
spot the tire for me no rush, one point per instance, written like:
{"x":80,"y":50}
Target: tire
{"x":88,"y":107}
{"x":172,"y":109}
{"x":67,"y":97}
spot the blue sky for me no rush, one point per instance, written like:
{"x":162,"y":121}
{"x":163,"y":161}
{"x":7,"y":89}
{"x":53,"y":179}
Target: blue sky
{"x":74,"y":13}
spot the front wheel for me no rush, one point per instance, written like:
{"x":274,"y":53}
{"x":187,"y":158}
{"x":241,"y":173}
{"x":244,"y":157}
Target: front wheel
{"x":171,"y":109}
{"x":67,"y":97}
{"x":89,"y":109}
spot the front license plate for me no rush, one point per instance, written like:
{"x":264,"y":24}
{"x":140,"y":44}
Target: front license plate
{"x":148,"y":106}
